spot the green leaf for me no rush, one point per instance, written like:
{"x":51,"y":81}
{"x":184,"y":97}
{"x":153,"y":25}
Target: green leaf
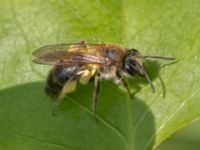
{"x":155,"y":27}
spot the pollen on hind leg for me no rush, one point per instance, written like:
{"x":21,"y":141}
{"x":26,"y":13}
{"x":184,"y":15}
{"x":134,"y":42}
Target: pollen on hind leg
{"x":85,"y":77}
{"x":67,"y":88}
{"x":87,"y":74}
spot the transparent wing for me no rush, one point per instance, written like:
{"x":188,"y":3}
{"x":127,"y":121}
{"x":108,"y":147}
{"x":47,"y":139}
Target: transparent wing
{"x":69,"y":54}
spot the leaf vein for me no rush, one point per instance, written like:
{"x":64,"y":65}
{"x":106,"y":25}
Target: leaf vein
{"x":167,"y":120}
{"x":115,"y":130}
{"x":45,"y":142}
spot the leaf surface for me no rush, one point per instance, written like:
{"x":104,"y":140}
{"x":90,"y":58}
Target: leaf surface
{"x":154,"y":27}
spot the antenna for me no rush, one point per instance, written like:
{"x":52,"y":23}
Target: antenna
{"x":149,"y":80}
{"x":145,"y":73}
{"x":159,"y":57}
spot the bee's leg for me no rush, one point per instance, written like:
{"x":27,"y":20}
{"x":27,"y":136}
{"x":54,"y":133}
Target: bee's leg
{"x":86,"y":75}
{"x":69,"y":87}
{"x":125,"y":84}
{"x":96,"y":94}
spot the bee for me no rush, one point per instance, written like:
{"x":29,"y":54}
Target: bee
{"x":84,"y":61}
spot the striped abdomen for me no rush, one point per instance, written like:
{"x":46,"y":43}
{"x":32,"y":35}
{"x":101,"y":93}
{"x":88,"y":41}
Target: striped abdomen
{"x":57,"y":78}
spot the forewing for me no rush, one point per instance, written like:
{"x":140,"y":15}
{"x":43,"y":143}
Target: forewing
{"x":51,"y":50}
{"x":69,"y":54}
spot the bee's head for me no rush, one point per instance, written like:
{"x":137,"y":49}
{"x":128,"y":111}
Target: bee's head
{"x":134,"y":64}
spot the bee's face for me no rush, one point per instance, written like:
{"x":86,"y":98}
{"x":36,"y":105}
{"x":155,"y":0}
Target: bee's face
{"x":134,"y":63}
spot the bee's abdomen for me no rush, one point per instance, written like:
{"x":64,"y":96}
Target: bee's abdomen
{"x":57,"y":78}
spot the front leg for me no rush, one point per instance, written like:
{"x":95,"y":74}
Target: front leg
{"x":96,"y":94}
{"x":124,"y":84}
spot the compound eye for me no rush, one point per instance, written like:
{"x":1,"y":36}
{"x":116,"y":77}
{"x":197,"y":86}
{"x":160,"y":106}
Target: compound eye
{"x":130,"y":66}
{"x":133,"y":64}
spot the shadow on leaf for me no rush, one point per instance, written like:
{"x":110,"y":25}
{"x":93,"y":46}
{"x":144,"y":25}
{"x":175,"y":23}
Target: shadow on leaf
{"x":152,"y":68}
{"x":26,"y":117}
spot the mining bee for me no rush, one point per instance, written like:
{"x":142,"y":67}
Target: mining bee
{"x":83,"y":61}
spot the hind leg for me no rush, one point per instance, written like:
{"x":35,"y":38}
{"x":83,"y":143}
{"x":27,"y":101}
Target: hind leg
{"x":69,"y":87}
